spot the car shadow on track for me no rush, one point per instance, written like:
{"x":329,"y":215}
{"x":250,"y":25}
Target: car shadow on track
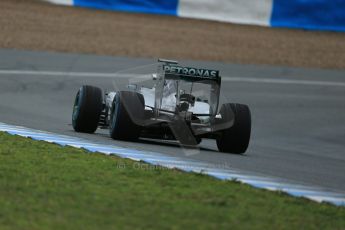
{"x":158,"y":142}
{"x":172,"y":143}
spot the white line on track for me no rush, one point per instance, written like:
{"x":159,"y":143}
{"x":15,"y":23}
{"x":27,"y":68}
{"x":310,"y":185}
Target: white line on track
{"x":284,"y":81}
{"x":119,"y":75}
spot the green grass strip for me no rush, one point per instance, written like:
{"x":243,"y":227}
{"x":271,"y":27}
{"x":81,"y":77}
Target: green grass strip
{"x":46,"y":186}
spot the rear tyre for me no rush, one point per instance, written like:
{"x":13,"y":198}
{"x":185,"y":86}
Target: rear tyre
{"x":87,"y":109}
{"x":127,"y":115}
{"x":235,"y":139}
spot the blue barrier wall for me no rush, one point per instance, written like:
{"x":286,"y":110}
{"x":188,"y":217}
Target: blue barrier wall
{"x":309,"y":14}
{"x":168,"y":7}
{"x":302,"y":14}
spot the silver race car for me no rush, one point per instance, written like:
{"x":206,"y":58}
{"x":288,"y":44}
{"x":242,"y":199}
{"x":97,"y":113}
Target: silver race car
{"x":168,"y":102}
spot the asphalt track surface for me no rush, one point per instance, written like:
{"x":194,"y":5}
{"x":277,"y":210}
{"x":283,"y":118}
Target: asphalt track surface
{"x":298,"y":115}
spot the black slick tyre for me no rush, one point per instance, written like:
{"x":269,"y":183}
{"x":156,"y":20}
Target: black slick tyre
{"x":127,"y":115}
{"x":235,"y":139}
{"x":87,"y":108}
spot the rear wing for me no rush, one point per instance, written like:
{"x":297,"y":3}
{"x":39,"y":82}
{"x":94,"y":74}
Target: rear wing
{"x":190,"y":73}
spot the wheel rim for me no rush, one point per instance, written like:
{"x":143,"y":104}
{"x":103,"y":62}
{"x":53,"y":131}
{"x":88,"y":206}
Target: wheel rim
{"x":76,"y":106}
{"x":113,"y":115}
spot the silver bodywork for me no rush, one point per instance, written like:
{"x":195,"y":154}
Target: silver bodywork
{"x":175,"y":96}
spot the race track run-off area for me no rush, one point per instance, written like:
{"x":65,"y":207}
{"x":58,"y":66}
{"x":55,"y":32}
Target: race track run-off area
{"x":297,"y":143}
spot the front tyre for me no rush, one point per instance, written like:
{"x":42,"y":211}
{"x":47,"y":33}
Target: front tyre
{"x":87,"y":109}
{"x":235,"y":139}
{"x":127,"y":115}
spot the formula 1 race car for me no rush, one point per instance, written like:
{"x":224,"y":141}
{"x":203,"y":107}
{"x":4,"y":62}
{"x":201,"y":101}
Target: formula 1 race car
{"x":171,"y":102}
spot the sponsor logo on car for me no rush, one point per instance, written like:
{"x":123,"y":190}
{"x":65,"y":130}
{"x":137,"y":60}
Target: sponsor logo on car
{"x":204,"y":73}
